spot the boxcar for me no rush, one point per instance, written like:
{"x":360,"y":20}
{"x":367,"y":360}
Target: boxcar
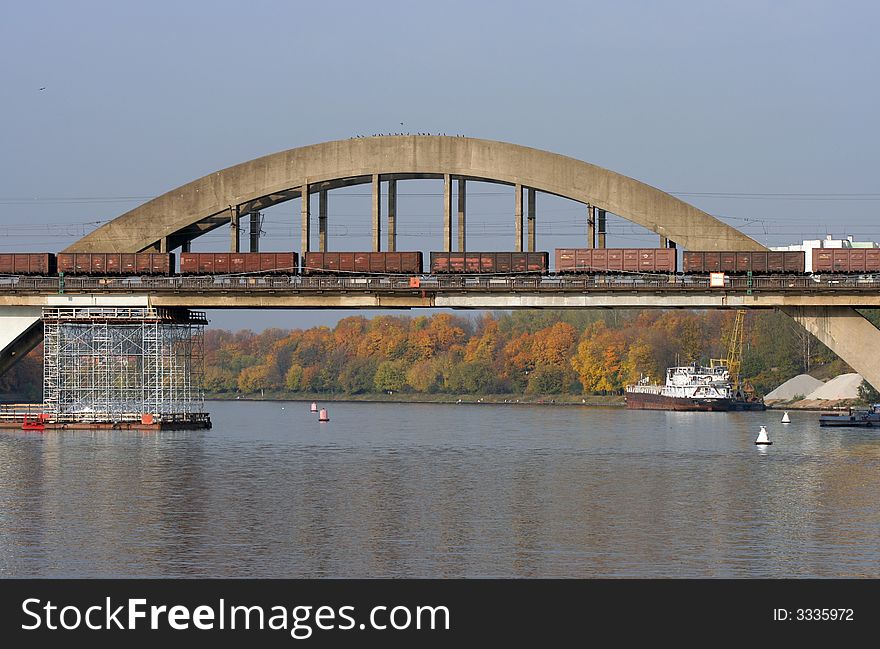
{"x":741,"y":262}
{"x":605,"y":260}
{"x":489,"y":262}
{"x":385,"y":263}
{"x":846,"y":260}
{"x":27,"y":263}
{"x":223,"y":263}
{"x":116,"y":263}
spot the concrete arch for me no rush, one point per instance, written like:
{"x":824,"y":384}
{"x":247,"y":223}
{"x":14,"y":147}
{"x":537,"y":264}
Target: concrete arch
{"x":204,"y":204}
{"x":201,"y":205}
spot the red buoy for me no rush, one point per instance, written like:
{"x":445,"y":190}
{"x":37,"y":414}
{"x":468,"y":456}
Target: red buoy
{"x":314,"y":407}
{"x":323,"y":416}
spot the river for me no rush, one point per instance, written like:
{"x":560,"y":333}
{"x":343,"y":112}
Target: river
{"x":410,"y":490}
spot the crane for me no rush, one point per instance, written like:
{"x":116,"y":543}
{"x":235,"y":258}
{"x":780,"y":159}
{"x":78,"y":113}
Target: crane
{"x":733,"y":362}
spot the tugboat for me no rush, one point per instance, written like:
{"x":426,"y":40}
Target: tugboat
{"x":855,"y":418}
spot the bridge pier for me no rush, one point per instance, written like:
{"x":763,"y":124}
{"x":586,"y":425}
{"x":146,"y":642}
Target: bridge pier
{"x":447,"y":213}
{"x":322,"y":220}
{"x":376,"y":219}
{"x":234,"y":230}
{"x":255,"y":232}
{"x":531,"y":229}
{"x":846,"y":332}
{"x":591,"y":226}
{"x":20,"y":331}
{"x":518,"y":218}
{"x":462,"y":198}
{"x":305,"y":241}
{"x":392,"y":215}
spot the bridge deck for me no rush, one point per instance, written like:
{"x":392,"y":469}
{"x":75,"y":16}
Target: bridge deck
{"x":388,"y":291}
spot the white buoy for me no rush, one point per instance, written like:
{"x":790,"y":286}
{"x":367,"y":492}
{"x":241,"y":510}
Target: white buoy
{"x":785,"y":418}
{"x":763,"y":440}
{"x":323,"y":416}
{"x":314,"y":407}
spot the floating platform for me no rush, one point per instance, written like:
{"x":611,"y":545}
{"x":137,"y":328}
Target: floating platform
{"x":34,"y":418}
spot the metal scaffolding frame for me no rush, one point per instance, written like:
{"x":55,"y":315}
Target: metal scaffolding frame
{"x":120,"y":364}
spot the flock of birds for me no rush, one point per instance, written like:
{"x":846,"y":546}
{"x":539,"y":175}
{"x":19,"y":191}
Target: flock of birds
{"x":355,"y":137}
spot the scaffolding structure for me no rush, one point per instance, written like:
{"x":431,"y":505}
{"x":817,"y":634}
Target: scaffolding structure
{"x":123,"y":364}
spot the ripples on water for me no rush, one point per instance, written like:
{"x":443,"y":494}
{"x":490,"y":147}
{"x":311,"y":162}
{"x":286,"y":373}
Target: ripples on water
{"x":388,"y":490}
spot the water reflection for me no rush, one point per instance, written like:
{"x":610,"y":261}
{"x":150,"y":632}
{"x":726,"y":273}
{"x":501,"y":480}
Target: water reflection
{"x":388,"y":490}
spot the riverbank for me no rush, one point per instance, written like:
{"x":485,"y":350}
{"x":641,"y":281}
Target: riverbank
{"x":816,"y":404}
{"x":404,"y":397}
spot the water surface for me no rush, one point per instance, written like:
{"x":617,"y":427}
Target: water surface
{"x":393,"y":490}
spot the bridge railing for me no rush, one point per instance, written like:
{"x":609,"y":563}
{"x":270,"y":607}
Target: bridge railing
{"x":433,"y":283}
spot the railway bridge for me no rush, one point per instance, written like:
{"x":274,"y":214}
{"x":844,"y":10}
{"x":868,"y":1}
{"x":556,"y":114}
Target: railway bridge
{"x":232,"y":196}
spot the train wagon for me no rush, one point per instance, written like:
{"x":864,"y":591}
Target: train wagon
{"x":846,"y":260}
{"x":490,"y":262}
{"x":27,"y":263}
{"x":605,"y":260}
{"x":325,"y":263}
{"x":223,"y":263}
{"x":116,"y":263}
{"x":740,"y":262}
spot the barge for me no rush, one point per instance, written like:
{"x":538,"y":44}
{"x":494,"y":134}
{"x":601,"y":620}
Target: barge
{"x":691,"y":388}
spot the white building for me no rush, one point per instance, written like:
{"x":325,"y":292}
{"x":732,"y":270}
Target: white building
{"x":828,"y":242}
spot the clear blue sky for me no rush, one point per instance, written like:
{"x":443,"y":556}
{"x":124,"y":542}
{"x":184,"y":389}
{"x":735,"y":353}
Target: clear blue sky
{"x":750,"y":98}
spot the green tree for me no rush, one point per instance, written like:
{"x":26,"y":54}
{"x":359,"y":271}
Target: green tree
{"x":548,"y":379}
{"x":293,"y":378}
{"x":472,"y":378}
{"x":357,"y":376}
{"x":868,"y":394}
{"x":390,"y":375}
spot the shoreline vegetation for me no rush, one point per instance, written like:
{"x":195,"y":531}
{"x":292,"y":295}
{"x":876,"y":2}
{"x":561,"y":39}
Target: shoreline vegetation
{"x":611,"y":400}
{"x":530,"y":356}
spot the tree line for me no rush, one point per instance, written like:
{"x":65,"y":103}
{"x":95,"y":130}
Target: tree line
{"x":520,"y":352}
{"x":525,"y":352}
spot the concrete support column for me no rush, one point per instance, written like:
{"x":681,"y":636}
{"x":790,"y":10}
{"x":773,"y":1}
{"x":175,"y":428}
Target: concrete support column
{"x":392,"y":215}
{"x":234,"y":230}
{"x":847,"y":333}
{"x":518,"y":218}
{"x":306,"y":220}
{"x":531,"y":222}
{"x":377,"y":214}
{"x":163,"y":245}
{"x":591,"y":226}
{"x":462,"y":229}
{"x":600,"y":221}
{"x":447,"y":213}
{"x":322,"y":220}
{"x":255,"y":232}
{"x":664,"y":242}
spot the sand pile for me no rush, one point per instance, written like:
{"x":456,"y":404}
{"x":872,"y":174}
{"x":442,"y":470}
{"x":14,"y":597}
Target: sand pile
{"x":799,"y":386}
{"x":845,"y":386}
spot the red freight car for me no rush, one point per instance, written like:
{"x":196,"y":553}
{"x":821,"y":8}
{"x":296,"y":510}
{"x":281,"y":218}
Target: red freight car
{"x":27,"y":263}
{"x":846,"y":260}
{"x":732,"y":262}
{"x":489,"y":262}
{"x":628,"y":260}
{"x":326,"y":263}
{"x":116,"y":263}
{"x":223,"y":263}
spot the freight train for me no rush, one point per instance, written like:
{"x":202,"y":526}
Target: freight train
{"x":567,"y":261}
